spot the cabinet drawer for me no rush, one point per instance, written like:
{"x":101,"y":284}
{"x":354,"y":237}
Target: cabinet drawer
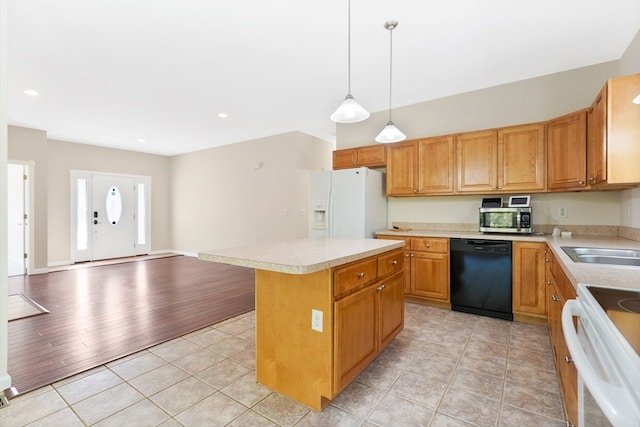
{"x":354,"y":276}
{"x":429,"y":244}
{"x":390,"y":263}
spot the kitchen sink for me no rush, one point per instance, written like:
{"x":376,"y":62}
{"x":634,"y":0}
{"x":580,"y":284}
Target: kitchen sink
{"x":604,"y":255}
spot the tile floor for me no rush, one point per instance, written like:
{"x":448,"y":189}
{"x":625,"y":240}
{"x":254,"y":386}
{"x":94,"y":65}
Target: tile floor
{"x":445,"y":369}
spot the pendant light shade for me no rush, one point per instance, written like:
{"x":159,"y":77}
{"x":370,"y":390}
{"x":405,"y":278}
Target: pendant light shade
{"x":390,"y":133}
{"x":349,"y":111}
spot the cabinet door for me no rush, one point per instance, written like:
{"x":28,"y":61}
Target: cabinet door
{"x":477,"y":159}
{"x":521,"y":159}
{"x":529,"y":293}
{"x":430,"y":275}
{"x":402,"y":172}
{"x":436,"y":160}
{"x":347,"y":158}
{"x":356,"y":335}
{"x":623,"y":130}
{"x":597,"y":139}
{"x":567,"y":152}
{"x":391,"y":294}
{"x":372,"y":155}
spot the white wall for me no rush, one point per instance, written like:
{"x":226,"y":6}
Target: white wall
{"x":250,"y":192}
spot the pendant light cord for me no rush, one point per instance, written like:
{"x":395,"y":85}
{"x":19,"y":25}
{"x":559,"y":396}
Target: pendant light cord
{"x":390,"y":66}
{"x":349,"y":47}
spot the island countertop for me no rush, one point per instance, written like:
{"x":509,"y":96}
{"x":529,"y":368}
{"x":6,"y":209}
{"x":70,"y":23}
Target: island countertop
{"x":301,"y":256}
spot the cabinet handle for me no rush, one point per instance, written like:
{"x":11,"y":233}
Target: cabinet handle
{"x":568,"y":424}
{"x":407,"y":255}
{"x":427,"y":245}
{"x":549,"y":282}
{"x":415,"y":190}
{"x":580,"y":182}
{"x":499,"y":187}
{"x":592,"y":178}
{"x":394,"y":262}
{"x":360,"y":275}
{"x":555,"y":298}
{"x":547,"y":260}
{"x":493,"y":187}
{"x":568,"y":359}
{"x":380,"y":288}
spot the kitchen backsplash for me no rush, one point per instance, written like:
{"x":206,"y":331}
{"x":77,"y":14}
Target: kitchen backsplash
{"x":583,"y":230}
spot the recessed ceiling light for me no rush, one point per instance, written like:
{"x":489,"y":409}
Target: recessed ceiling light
{"x":223,"y":115}
{"x":31,"y":92}
{"x":636,"y":100}
{"x":141,"y":140}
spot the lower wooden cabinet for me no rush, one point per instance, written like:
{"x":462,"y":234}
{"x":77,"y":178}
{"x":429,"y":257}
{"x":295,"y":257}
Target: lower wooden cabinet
{"x":426,"y":269}
{"x":529,"y":294}
{"x":558,"y":290}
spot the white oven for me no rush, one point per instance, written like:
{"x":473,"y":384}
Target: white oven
{"x":606,"y":353}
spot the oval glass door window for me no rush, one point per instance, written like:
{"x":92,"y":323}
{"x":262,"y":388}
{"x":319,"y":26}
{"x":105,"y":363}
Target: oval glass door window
{"x":113,"y":206}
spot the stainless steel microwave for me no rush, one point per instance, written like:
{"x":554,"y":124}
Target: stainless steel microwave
{"x":505,"y":220}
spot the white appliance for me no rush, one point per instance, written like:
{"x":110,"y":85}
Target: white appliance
{"x":347,"y":203}
{"x":605,"y":350}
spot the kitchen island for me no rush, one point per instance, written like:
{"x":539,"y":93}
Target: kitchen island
{"x":325,"y":308}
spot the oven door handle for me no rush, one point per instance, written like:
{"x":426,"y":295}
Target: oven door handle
{"x":609,"y":396}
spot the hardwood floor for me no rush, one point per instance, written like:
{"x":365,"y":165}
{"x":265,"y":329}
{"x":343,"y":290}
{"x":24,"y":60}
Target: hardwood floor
{"x":99,"y":314}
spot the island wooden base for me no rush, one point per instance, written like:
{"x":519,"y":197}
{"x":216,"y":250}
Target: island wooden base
{"x":291,"y":358}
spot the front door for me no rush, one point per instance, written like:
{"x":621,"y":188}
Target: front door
{"x":17,"y":218}
{"x":112,"y":218}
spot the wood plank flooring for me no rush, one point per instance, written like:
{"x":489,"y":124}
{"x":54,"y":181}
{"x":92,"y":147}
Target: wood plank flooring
{"x":99,"y":314}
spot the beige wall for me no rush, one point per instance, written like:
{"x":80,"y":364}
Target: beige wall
{"x":245,"y":193}
{"x":526,"y":101}
{"x":64,"y":156}
{"x":31,"y":145}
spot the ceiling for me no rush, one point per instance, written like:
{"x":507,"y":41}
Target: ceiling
{"x":152,"y":76}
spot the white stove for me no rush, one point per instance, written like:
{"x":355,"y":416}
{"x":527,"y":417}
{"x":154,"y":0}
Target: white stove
{"x":606,"y":352}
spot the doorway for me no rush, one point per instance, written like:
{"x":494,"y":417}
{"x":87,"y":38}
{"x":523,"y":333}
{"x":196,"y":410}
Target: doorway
{"x":18,"y":218}
{"x":110,"y":216}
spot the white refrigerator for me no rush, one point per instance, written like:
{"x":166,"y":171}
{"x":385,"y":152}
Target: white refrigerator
{"x":347,"y":203}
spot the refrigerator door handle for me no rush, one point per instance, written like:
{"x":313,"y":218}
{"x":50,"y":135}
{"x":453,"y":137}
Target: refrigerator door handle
{"x":330,"y":211}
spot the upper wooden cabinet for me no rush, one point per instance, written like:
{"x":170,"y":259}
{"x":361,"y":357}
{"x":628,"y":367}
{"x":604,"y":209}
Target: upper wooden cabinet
{"x":509,"y":159}
{"x":567,"y":152}
{"x":421,"y":167}
{"x":613,"y":137}
{"x":370,"y":156}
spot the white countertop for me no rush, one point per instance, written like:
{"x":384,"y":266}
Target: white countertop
{"x":301,"y":256}
{"x":577,"y":272}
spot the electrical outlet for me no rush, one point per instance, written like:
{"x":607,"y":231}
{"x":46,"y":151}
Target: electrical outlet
{"x":562,"y":212}
{"x":316,"y":320}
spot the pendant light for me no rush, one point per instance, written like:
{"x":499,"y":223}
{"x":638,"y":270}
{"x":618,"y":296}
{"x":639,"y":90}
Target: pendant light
{"x":349,"y":111}
{"x":390,"y":133}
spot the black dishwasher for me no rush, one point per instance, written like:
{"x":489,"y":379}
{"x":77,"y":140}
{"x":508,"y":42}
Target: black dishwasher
{"x":481,"y":277}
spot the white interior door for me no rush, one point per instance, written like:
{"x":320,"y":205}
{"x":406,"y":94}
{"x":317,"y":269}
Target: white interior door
{"x":113,"y":217}
{"x":17,"y":220}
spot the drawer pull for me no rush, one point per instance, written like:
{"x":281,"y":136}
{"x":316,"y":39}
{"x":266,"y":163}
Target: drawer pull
{"x":380,"y":288}
{"x":360,"y":275}
{"x":549,"y":282}
{"x":427,"y":245}
{"x":555,"y":298}
{"x":568,"y":359}
{"x":394,"y":262}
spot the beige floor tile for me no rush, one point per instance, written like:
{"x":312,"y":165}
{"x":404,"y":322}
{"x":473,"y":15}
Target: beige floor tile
{"x":540,"y":343}
{"x":330,"y":416}
{"x":358,"y":399}
{"x":137,"y":366}
{"x":198,"y":360}
{"x":394,"y":411}
{"x":246,"y":390}
{"x":491,"y":335}
{"x":251,"y":419}
{"x":109,"y":402}
{"x":246,"y":357}
{"x":63,"y":418}
{"x":476,"y":382}
{"x":419,"y":390}
{"x":442,"y":351}
{"x":455,"y":341}
{"x":143,"y":413}
{"x":534,"y":359}
{"x":231,"y":346}
{"x":494,"y":324}
{"x":379,"y":376}
{"x":516,"y":417}
{"x":532,"y":377}
{"x":87,"y":386}
{"x":209,"y":338}
{"x":430,"y":368}
{"x":234,"y":327}
{"x":470,"y":408}
{"x":533,"y":400}
{"x":486,"y":348}
{"x":31,"y":407}
{"x":394,"y":358}
{"x":281,"y":409}
{"x":182,"y":395}
{"x":223,"y":373}
{"x":176,"y":349}
{"x":441,"y":420}
{"x":159,"y":379}
{"x":77,"y":377}
{"x":485,"y":364}
{"x":215,"y":410}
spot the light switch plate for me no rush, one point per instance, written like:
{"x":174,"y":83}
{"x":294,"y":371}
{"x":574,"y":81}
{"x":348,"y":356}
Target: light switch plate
{"x":316,"y":320}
